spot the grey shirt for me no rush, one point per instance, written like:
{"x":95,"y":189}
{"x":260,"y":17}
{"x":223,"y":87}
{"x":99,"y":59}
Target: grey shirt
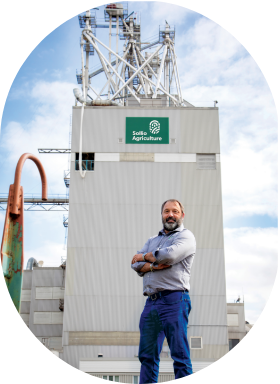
{"x":176,"y":248}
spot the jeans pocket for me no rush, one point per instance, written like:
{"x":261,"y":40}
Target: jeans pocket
{"x":187,"y":301}
{"x":172,"y":298}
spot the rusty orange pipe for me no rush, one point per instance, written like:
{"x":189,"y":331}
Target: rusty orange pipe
{"x":16,"y":202}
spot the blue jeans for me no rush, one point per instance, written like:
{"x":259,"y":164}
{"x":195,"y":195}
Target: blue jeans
{"x":167,"y":316}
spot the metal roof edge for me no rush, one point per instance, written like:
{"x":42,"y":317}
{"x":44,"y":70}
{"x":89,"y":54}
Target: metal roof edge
{"x":149,"y":108}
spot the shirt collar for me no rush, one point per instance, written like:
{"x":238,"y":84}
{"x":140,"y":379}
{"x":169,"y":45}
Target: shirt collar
{"x":179,"y":229}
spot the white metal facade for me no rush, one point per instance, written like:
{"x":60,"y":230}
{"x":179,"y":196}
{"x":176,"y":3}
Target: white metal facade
{"x":236,"y":321}
{"x":116,"y":208}
{"x":41,"y":290}
{"x":126,"y":366}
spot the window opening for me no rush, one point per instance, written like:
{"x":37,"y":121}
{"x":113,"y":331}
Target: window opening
{"x":45,"y":341}
{"x":112,"y":378}
{"x":87,"y":161}
{"x":196,"y":342}
{"x":136,"y":379}
{"x":233,"y":343}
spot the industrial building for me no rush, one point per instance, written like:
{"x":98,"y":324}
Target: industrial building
{"x":42,"y":302}
{"x":140,"y":146}
{"x":42,"y":309}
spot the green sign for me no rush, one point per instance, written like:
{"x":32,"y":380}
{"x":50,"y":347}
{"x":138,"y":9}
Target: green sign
{"x":147,"y":130}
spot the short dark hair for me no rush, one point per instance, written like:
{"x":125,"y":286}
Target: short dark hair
{"x":173,"y":201}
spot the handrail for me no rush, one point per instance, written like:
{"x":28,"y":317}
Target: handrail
{"x":87,"y":165}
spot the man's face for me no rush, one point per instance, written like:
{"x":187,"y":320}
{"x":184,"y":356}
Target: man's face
{"x":172,"y":216}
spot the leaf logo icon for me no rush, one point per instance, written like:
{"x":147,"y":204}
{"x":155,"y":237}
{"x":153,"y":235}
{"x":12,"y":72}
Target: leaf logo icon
{"x":154,"y":127}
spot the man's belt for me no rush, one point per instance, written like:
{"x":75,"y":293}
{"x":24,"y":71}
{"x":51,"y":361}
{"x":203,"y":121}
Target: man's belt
{"x":164,"y":293}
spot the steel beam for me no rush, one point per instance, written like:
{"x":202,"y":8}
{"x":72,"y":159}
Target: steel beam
{"x":36,"y":204}
{"x":53,"y":150}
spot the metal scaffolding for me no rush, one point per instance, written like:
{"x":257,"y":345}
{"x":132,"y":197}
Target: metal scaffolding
{"x":54,"y":150}
{"x":131,"y":74}
{"x":37,"y":204}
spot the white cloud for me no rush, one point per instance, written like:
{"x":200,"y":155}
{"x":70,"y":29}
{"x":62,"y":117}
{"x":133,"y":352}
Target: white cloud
{"x":50,"y":253}
{"x":214,"y":66}
{"x":251,"y":265}
{"x":46,"y":52}
{"x":44,"y":237}
{"x":159,"y":12}
{"x":205,"y":51}
{"x":40,"y":229}
{"x":48,"y":128}
{"x":174,"y":15}
{"x":60,"y":74}
{"x":20,"y":93}
{"x":138,"y":6}
{"x":249,"y":180}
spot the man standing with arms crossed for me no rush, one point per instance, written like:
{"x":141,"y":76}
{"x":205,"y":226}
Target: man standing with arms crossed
{"x":165,"y":262}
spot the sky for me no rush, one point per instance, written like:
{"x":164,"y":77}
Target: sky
{"x":213,"y":65}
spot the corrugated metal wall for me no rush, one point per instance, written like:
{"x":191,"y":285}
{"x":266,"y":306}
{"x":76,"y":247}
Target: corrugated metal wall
{"x":53,"y":342}
{"x":125,"y":378}
{"x":116,"y":208}
{"x":239,"y":331}
{"x":103,"y":127}
{"x":26,"y":296}
{"x":26,"y":279}
{"x":72,"y":354}
{"x":45,"y":277}
{"x":199,"y":130}
{"x":196,"y":129}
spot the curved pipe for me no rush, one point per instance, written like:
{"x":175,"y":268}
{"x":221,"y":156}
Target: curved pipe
{"x":82,"y":100}
{"x":19,"y":167}
{"x":80,"y":97}
{"x":31,"y":263}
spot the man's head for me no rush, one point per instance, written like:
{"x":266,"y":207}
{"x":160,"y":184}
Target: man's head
{"x":172,"y":214}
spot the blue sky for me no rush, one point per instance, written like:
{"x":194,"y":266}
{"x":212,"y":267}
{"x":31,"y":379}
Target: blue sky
{"x":213,"y":65}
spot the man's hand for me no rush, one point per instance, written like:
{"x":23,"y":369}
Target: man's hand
{"x":139,"y":257}
{"x":146,"y":267}
{"x":136,"y":258}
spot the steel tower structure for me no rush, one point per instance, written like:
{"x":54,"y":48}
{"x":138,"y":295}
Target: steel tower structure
{"x":138,"y":74}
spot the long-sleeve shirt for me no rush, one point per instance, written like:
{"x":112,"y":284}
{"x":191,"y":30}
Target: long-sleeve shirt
{"x":176,"y":248}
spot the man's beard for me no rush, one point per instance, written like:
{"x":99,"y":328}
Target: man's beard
{"x":172,"y":226}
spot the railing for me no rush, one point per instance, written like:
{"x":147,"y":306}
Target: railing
{"x":239,"y":299}
{"x":67,"y":178}
{"x":63,"y":259}
{"x":34,"y":202}
{"x":61,"y":304}
{"x":37,"y":196}
{"x":65,"y":221}
{"x":87,"y":165}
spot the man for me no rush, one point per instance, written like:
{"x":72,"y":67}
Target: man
{"x":165,"y":262}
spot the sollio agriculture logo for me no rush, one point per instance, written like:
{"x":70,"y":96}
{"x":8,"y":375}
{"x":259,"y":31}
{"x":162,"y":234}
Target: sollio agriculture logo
{"x":154,"y":127}
{"x":147,"y":130}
